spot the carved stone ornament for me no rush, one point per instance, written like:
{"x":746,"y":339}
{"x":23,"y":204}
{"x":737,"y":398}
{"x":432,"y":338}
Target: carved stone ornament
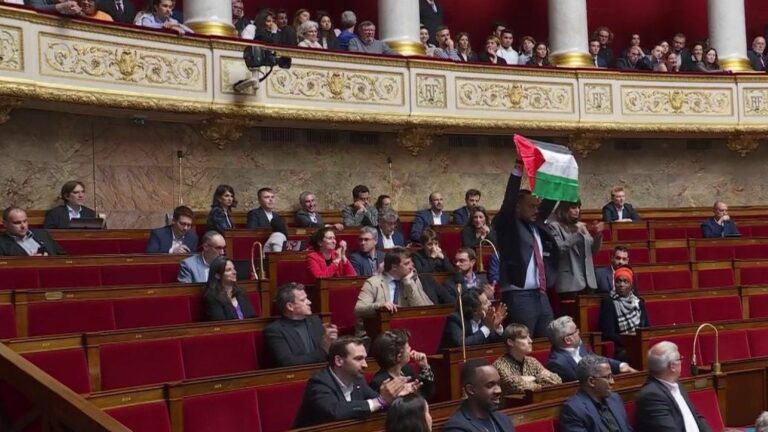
{"x":584,"y":144}
{"x":7,"y":104}
{"x":668,"y":100}
{"x":415,"y":139}
{"x":337,"y":85}
{"x":743,"y":144}
{"x":222,"y":131}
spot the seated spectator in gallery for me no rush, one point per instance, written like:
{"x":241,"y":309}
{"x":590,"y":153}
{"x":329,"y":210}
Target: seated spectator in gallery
{"x":489,"y":54}
{"x":176,"y":238}
{"x":308,"y":32}
{"x":326,"y":260}
{"x":465,"y":275}
{"x":477,"y":229}
{"x":461,"y":215}
{"x":298,"y":337}
{"x":158,"y":16}
{"x":431,"y":258}
{"x":482,"y":322}
{"x":67,"y":7}
{"x":634,"y":41}
{"x":239,"y":20}
{"x":432,"y":216}
{"x":287,"y":34}
{"x":519,"y":371}
{"x":222,"y":299}
{"x":693,"y":60}
{"x":264,"y":28}
{"x":326,"y":34}
{"x":367,"y":260}
{"x":757,"y":56}
{"x":389,"y":234}
{"x":196,"y":268}
{"x":123,"y":11}
{"x":720,"y":224}
{"x":300,"y":17}
{"x":90,"y":10}
{"x":308,"y":216}
{"x":594,"y":52}
{"x":219,"y":218}
{"x":605,"y":36}
{"x":622,"y":312}
{"x":710,"y":62}
{"x":20,"y":240}
{"x":367,"y":43}
{"x":265,"y":216}
{"x":619,"y":210}
{"x":339,"y":391}
{"x":540,"y":56}
{"x":506,"y":50}
{"x":464,"y":48}
{"x":360,"y":212}
{"x":446,"y":47}
{"x":409,"y":413}
{"x":348,"y":23}
{"x":633,"y":60}
{"x":526,"y":50}
{"x":393,"y":353}
{"x":429,"y":48}
{"x":480,"y":382}
{"x":73,"y":197}
{"x":671,"y":61}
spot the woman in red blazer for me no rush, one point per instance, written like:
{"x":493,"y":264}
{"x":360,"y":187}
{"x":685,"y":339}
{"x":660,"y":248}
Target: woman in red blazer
{"x":325,"y":260}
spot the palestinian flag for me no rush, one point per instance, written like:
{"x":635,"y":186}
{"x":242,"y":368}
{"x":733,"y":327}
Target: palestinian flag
{"x":552,"y":170}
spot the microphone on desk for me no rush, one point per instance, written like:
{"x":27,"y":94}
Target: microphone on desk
{"x":254,"y":274}
{"x":463,"y":325}
{"x":716,"y":365}
{"x":495,"y":252}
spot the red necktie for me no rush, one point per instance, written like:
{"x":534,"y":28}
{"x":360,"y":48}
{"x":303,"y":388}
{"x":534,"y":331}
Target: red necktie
{"x":540,"y":271}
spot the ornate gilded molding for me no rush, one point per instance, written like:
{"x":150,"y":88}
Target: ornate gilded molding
{"x":415,"y":139}
{"x":431,"y":91}
{"x":7,"y":104}
{"x":585,"y":143}
{"x":11,"y":48}
{"x":521,"y":96}
{"x":743,"y":144}
{"x":84,"y":59}
{"x":337,"y":85}
{"x":598,"y":99}
{"x":699,"y":101}
{"x":222,"y":131}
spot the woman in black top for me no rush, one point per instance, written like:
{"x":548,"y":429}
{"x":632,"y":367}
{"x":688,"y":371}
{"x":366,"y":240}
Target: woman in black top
{"x":222,"y":298}
{"x":477,"y":229}
{"x":221,"y":209}
{"x":489,"y":55}
{"x":326,"y":35}
{"x":393,"y":353}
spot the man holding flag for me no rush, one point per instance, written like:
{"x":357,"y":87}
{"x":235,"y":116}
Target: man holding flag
{"x":529,"y":254}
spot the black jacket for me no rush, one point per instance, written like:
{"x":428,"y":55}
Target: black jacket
{"x":452,"y":333}
{"x":461,"y":421}
{"x":9,"y":247}
{"x":257,"y":218}
{"x":436,"y":292}
{"x":431,"y":19}
{"x":324,"y":402}
{"x":286,"y":346}
{"x":609,"y":320}
{"x":610,"y":214}
{"x":109,"y":7}
{"x":427,"y":389}
{"x":220,"y":309}
{"x":58,"y":217}
{"x":657,"y":410}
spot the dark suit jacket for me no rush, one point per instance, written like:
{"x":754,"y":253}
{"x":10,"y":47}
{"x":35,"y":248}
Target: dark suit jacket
{"x":425,"y":264}
{"x":217,"y":220}
{"x":461,"y":421}
{"x":609,"y":320}
{"x":218,"y":309}
{"x":303,"y":220}
{"x":515,"y":241}
{"x":324,"y":402}
{"x":483,"y":58}
{"x":452,"y":333}
{"x":257,"y":218}
{"x":160,"y":240}
{"x":108,"y":6}
{"x":436,"y":292}
{"x":397,"y":238}
{"x":561,"y":363}
{"x":657,"y":411}
{"x":431,"y":19}
{"x":460,"y":216}
{"x":755,"y":58}
{"x":610,"y":214}
{"x":286,"y":346}
{"x":607,"y":54}
{"x":457,"y":278}
{"x":422,"y":220}
{"x":601,"y":63}
{"x":9,"y":247}
{"x":624,"y":64}
{"x":579,"y":414}
{"x":361,"y":264}
{"x":604,"y":278}
{"x":711,"y":229}
{"x":58,"y":217}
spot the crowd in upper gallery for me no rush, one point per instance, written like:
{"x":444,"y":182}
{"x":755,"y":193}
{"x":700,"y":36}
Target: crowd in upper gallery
{"x":273,"y":26}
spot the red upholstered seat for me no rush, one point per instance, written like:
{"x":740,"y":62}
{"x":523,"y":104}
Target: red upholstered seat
{"x":228,"y":411}
{"x":426,"y":332}
{"x":341,"y":302}
{"x":706,"y":404}
{"x":148,"y":417}
{"x":219,"y":354}
{"x":133,"y":246}
{"x":758,"y":342}
{"x":631,"y":408}
{"x":19,"y":278}
{"x":292,"y":271}
{"x":261,"y":347}
{"x":644,"y":282}
{"x":197,"y":309}
{"x":78,"y":277}
{"x":716,"y":278}
{"x":733,"y":346}
{"x":593,"y":319}
{"x":68,"y":366}
{"x":450,"y":242}
{"x":639,"y":233}
{"x":169,"y":272}
{"x":714,"y":253}
{"x":671,"y":255}
{"x":669,"y":312}
{"x":130,"y":275}
{"x":640,"y":255}
{"x":758,"y":306}
{"x":255,"y":298}
{"x":280,"y":398}
{"x":754,"y":275}
{"x":747,"y":252}
{"x":602,"y":257}
{"x":241,"y":246}
{"x":672,"y":280}
{"x":684,"y":346}
{"x":151,"y":311}
{"x":90,"y":246}
{"x":541,"y":356}
{"x":60,"y":317}
{"x":670,"y":233}
{"x":7,"y":322}
{"x":128,"y":364}
{"x":759,"y":231}
{"x":537,"y":426}
{"x":716,"y":308}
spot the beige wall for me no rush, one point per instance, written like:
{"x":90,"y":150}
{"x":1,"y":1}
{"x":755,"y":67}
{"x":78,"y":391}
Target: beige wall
{"x":136,"y":171}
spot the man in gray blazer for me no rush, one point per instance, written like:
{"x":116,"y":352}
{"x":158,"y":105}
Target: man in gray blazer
{"x":195,"y":268}
{"x":368,"y":261}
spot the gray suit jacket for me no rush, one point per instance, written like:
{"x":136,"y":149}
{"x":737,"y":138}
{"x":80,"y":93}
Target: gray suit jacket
{"x":192,"y":270}
{"x":303,"y":220}
{"x":362,"y":265}
{"x":576,"y":270}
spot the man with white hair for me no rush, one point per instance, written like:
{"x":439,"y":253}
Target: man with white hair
{"x":368,"y":261}
{"x":568,"y":350}
{"x":663,"y":404}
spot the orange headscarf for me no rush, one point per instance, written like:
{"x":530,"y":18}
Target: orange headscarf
{"x":626,"y":272}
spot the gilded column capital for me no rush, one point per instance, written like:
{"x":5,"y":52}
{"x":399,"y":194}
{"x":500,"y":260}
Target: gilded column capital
{"x":222,"y":131}
{"x":585,"y":143}
{"x":415,"y":139}
{"x":7,"y":104}
{"x":743,"y":144}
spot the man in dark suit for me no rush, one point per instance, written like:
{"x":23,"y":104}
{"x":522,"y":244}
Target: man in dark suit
{"x":462,"y":215}
{"x":176,"y":238}
{"x":434,"y":215}
{"x":431,"y":17}
{"x":720,"y":224}
{"x":122,"y":11}
{"x":482,"y":322}
{"x":339,"y":392}
{"x":594,"y":51}
{"x":73,"y":196}
{"x":604,"y":275}
{"x":439,"y":294}
{"x":685,"y":62}
{"x":663,"y":404}
{"x":480,"y":381}
{"x":568,"y":350}
{"x":367,"y":261}
{"x":298,"y":337}
{"x":594,"y":407}
{"x":19,"y":240}
{"x":757,"y":55}
{"x":265,"y":215}
{"x":389,"y":235}
{"x":528,"y":256}
{"x":619,"y":210}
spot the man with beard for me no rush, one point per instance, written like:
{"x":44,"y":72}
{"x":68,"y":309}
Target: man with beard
{"x":434,"y":215}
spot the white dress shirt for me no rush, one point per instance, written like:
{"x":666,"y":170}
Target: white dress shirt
{"x":387,"y":242}
{"x":688,"y":418}
{"x":437,"y":218}
{"x":73,"y":214}
{"x":531,"y":273}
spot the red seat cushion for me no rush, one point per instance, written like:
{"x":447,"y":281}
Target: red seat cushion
{"x":241,"y":246}
{"x":280,"y":398}
{"x":219,"y":354}
{"x":77,"y":277}
{"x":128,"y":364}
{"x":17,"y":278}
{"x":152,"y":311}
{"x":450,"y":242}
{"x":706,"y":404}
{"x":672,"y":280}
{"x":747,"y":252}
{"x":426,"y":332}
{"x":541,"y":355}
{"x":758,"y":306}
{"x":759,"y":231}
{"x":68,"y":366}
{"x":292,"y":271}
{"x":670,"y":233}
{"x":671,"y":255}
{"x":716,"y":278}
{"x":90,"y":246}
{"x":341,"y":302}
{"x":228,"y":411}
{"x":714,"y":253}
{"x":754,"y":275}
{"x":758,"y":342}
{"x":640,"y":256}
{"x":130,"y":275}
{"x":148,"y":417}
{"x":669,"y":312}
{"x":537,"y":426}
{"x":639,"y":233}
{"x":733,"y":346}
{"x":133,"y":246}
{"x":644,"y":281}
{"x":716,"y":308}
{"x":630,"y":407}
{"x":7,"y":322}
{"x":169,"y":272}
{"x":60,"y":317}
